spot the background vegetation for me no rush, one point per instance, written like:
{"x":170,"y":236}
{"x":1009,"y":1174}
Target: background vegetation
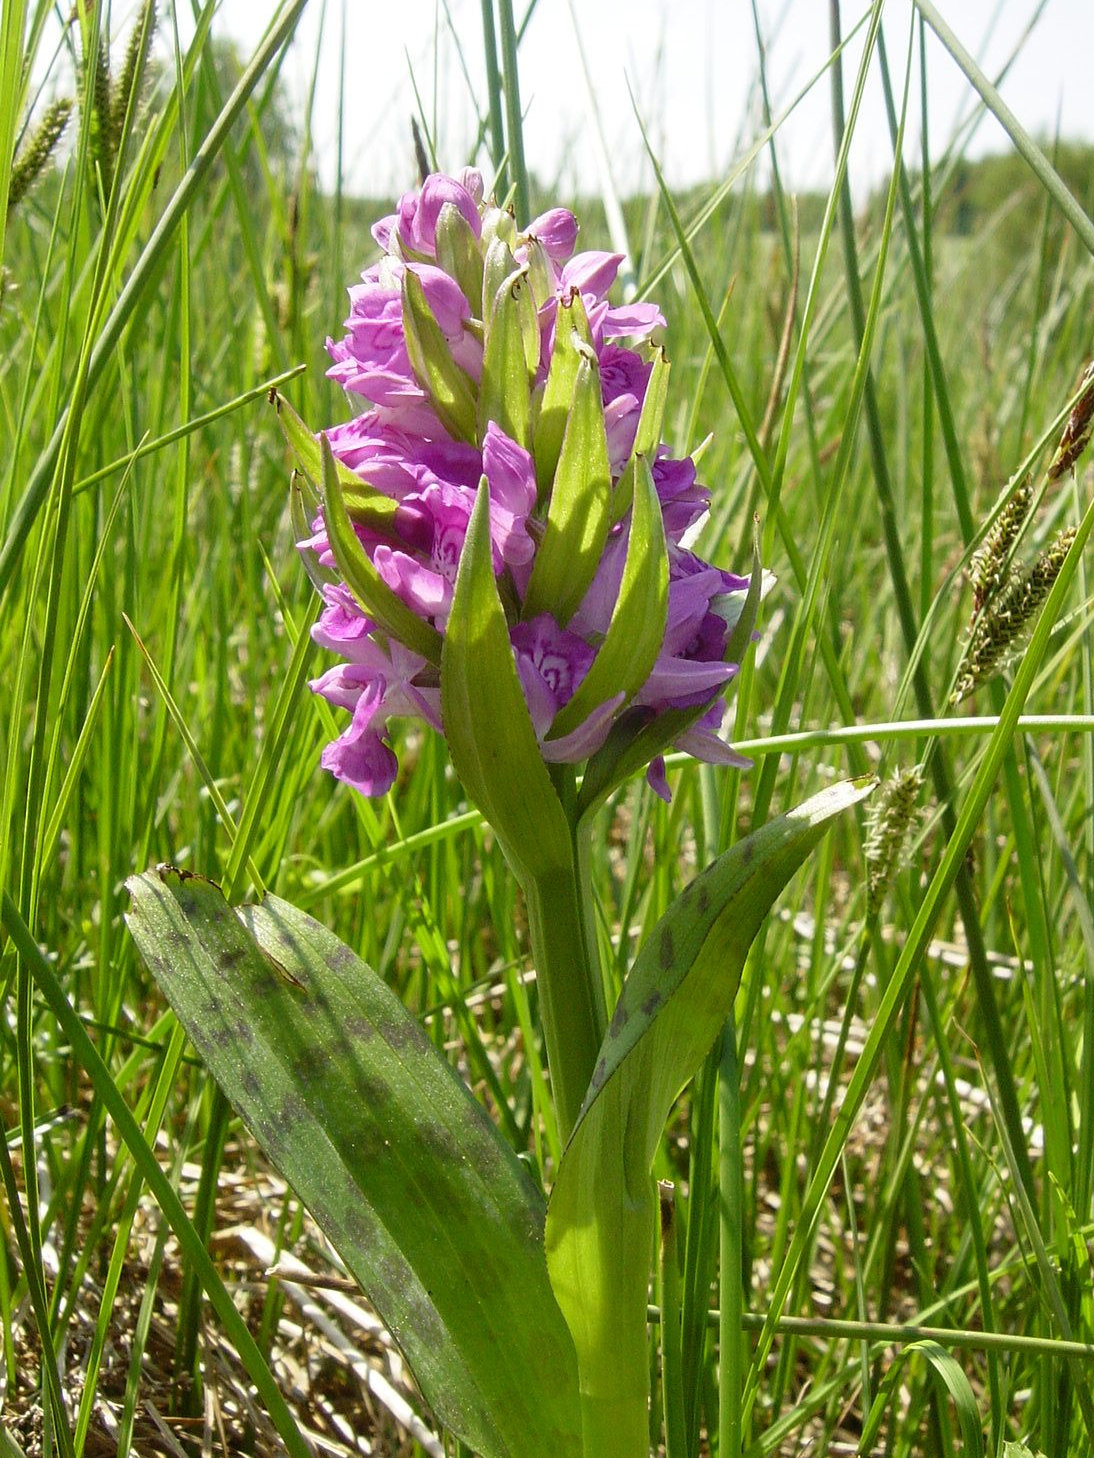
{"x":165,"y":263}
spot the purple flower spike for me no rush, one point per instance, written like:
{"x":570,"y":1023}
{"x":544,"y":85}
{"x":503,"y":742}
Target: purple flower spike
{"x":439,"y":424}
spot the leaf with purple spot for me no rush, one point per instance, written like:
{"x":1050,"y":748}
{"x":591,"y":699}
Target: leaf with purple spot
{"x":677,"y":995}
{"x":399,"y":1165}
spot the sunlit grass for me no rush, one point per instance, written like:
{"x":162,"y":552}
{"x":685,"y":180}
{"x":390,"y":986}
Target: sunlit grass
{"x":153,"y":645}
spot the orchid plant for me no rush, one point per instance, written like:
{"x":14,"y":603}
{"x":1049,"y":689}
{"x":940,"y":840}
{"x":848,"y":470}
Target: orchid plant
{"x":502,"y":545}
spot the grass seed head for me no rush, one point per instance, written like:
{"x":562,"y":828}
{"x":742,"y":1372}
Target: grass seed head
{"x":1008,"y":616}
{"x":132,"y":72}
{"x":104,"y":142}
{"x":1076,"y":434}
{"x":38,"y":150}
{"x":989,"y":567}
{"x":889,"y":820}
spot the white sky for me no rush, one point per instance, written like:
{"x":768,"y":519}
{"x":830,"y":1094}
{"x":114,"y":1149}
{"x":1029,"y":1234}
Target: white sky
{"x":692,"y":65}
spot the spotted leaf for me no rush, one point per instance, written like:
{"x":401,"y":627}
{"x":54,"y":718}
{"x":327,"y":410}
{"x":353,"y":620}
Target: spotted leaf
{"x":399,"y":1165}
{"x":677,"y":995}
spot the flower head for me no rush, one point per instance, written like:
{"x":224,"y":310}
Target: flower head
{"x":491,"y":359}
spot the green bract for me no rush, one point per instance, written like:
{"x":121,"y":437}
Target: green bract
{"x":450,"y":392}
{"x":579,"y":512}
{"x":505,"y":392}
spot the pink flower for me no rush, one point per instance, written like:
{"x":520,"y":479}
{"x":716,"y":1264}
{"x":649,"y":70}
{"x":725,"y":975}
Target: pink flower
{"x":401,"y":449}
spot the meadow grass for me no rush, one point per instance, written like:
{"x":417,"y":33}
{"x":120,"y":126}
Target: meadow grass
{"x":909,"y":1077}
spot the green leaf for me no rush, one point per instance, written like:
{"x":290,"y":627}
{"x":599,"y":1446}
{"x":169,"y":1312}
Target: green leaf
{"x":450,"y":391}
{"x":401,"y":1168}
{"x":948,"y":1373}
{"x":600,"y":1221}
{"x":637,"y":628}
{"x":304,"y":506}
{"x":9,"y":1448}
{"x":363,"y":502}
{"x":505,"y":391}
{"x":579,"y":514}
{"x":361,"y":577}
{"x":486,"y":721}
{"x":571,"y":328}
{"x":86,"y":1055}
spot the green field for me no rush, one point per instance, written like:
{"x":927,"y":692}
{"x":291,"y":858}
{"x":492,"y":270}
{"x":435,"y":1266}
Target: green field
{"x":175,"y":257}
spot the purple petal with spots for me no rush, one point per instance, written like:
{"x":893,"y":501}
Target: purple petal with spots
{"x":511,"y":475}
{"x":622,"y":372}
{"x":343,"y":628}
{"x":679,"y":683}
{"x":559,"y":657}
{"x":683,"y":500}
{"x":634,"y":321}
{"x":359,"y":757}
{"x":427,"y":592}
{"x":621,"y":425}
{"x":595,"y":613}
{"x":701,"y":744}
{"x":384,"y":231}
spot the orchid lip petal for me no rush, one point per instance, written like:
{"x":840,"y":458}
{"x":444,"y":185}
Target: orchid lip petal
{"x":587,"y":738}
{"x":657,"y":779}
{"x":701,"y":744}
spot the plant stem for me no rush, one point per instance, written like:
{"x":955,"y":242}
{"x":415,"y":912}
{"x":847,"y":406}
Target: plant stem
{"x":493,"y":83}
{"x":514,"y":120}
{"x":562,"y":933}
{"x":616,"y":1426}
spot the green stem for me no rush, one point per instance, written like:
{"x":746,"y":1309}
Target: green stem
{"x":615,"y":1427}
{"x":731,"y":1359}
{"x":493,"y":84}
{"x":514,"y":120}
{"x":571,"y":989}
{"x":672,"y":1360}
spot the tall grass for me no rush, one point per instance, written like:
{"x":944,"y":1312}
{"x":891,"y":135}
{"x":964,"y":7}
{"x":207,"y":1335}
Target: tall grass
{"x":911,"y":1080}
